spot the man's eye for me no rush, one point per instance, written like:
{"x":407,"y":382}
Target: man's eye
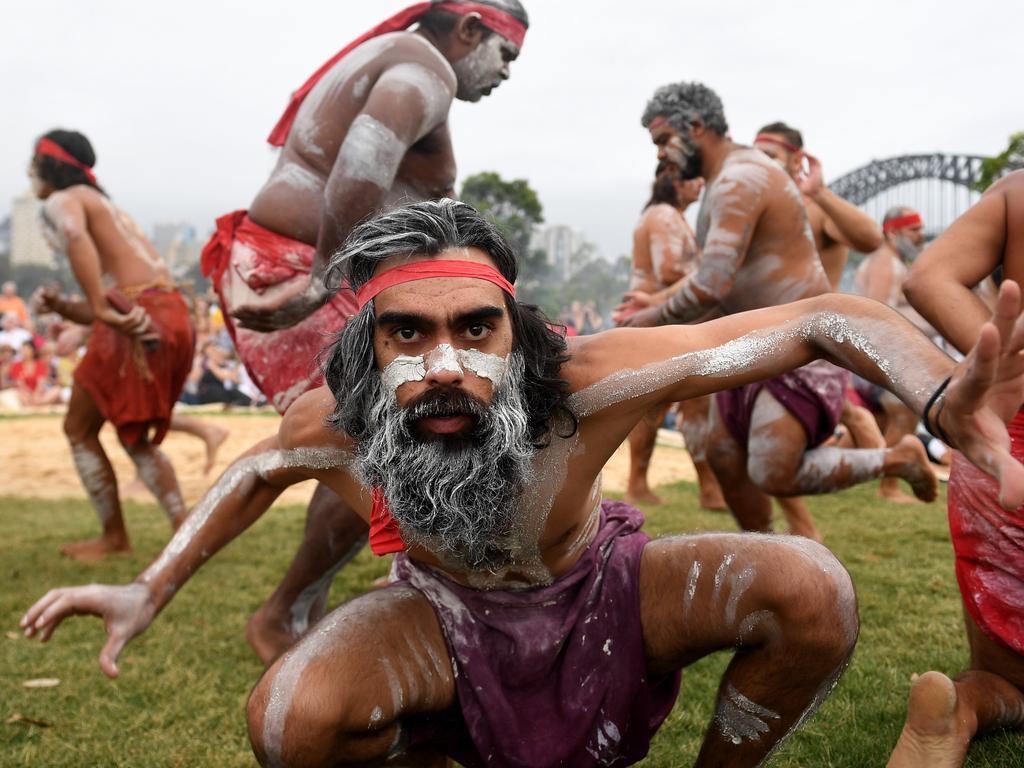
{"x":407,"y":334}
{"x":477,"y":331}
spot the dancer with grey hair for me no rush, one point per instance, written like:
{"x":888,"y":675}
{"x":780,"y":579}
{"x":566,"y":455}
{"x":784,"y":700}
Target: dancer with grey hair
{"x":366,"y":131}
{"x":528,"y":622}
{"x":757,"y":250}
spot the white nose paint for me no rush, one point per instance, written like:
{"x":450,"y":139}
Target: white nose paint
{"x":443,"y":358}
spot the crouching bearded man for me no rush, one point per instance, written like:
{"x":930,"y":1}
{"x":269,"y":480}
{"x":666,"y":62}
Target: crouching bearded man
{"x":528,"y":622}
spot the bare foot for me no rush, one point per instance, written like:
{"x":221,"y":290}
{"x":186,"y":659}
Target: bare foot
{"x":642,"y":495}
{"x":909,"y":460}
{"x":267,"y":636}
{"x":938,"y":730}
{"x":94,"y":550}
{"x":214,"y":438}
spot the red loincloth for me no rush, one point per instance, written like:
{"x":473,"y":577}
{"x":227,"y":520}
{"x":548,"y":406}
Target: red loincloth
{"x":813,"y":394}
{"x":249,"y":264}
{"x":133,"y":402}
{"x":989,"y":545}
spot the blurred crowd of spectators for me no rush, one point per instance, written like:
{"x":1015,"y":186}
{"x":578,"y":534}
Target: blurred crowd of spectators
{"x":39,"y":352}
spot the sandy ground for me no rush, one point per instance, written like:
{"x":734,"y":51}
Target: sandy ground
{"x":36,"y":462}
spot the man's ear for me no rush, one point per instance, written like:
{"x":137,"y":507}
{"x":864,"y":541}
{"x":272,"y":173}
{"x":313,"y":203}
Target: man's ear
{"x":469,"y":30}
{"x":697,"y":128}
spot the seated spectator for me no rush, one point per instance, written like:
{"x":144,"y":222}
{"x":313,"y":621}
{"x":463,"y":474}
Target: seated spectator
{"x":33,"y":378}
{"x":6,"y":360}
{"x":10,"y":301}
{"x":220,"y":378}
{"x":12,"y":333}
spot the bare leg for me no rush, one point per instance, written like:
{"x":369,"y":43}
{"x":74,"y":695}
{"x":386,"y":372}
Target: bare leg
{"x":641,"y":448}
{"x":749,"y":504}
{"x":212,"y":435}
{"x":900,"y":422}
{"x":944,"y":715}
{"x":157,"y":473}
{"x":694,"y":421}
{"x":338,"y":696}
{"x":786,"y":606}
{"x":779,"y":464}
{"x":82,"y":426}
{"x":334,"y":535}
{"x":862,"y":426}
{"x":798,"y":517}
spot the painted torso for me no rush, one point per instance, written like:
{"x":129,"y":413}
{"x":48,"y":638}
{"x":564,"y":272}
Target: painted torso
{"x":291,"y":202}
{"x":781,"y":263}
{"x":670,"y":243}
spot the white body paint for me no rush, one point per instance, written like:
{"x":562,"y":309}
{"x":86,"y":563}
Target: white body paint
{"x":443,"y":357}
{"x":739,"y":719}
{"x":371,"y":152}
{"x":93,"y":473}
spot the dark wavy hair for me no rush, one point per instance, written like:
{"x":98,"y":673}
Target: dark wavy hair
{"x":430,"y":228}
{"x":61,"y":175}
{"x":664,"y":188}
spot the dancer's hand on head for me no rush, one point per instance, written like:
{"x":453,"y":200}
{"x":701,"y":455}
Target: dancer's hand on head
{"x":292,"y":310}
{"x":986,"y":390}
{"x":811,"y":180}
{"x":126,"y":612}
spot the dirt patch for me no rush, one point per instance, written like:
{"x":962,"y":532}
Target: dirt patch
{"x":37,"y":461}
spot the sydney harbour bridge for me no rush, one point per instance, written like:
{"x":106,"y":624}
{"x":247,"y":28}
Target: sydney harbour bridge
{"x":939,"y":186}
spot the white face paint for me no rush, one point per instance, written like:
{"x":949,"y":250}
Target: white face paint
{"x":443,"y":357}
{"x":480,"y":71}
{"x":371,"y":152}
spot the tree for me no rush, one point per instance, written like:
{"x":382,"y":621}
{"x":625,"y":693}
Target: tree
{"x":993,"y":168}
{"x":515,"y":209}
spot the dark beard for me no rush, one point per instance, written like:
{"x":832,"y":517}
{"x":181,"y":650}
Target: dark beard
{"x":693,"y":166}
{"x":455,"y":494}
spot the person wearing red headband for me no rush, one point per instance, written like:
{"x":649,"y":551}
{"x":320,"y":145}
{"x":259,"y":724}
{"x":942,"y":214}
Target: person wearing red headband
{"x":140,"y":350}
{"x":880,"y":276}
{"x":836,"y":224}
{"x":367,"y":130}
{"x":988,"y":540}
{"x":528,"y":622}
{"x":757,"y":250}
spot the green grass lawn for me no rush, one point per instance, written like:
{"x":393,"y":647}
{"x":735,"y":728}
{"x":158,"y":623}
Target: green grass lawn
{"x":183,"y":686}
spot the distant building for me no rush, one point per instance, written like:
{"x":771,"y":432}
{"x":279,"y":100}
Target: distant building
{"x":28,"y":246}
{"x":178,"y":245}
{"x":559,"y":242}
{"x":5,"y":235}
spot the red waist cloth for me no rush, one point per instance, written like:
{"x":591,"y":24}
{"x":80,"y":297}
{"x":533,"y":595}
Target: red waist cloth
{"x":385,"y":537}
{"x":133,"y":402}
{"x":989,"y":545}
{"x":249,"y":264}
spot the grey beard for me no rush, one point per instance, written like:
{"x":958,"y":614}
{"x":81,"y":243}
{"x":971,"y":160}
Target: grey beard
{"x":457,"y":497}
{"x":906,"y":249}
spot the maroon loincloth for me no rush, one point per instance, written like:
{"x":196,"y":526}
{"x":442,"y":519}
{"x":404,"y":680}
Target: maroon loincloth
{"x":552,"y":676}
{"x":247,"y":262}
{"x":989,"y":545}
{"x":129,"y":399}
{"x":813,"y":394}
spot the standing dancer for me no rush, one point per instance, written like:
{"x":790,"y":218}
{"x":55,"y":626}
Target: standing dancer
{"x":757,"y":250}
{"x":367,"y":130}
{"x":140,"y":350}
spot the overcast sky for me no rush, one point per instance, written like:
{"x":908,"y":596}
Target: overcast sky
{"x":178,"y":97}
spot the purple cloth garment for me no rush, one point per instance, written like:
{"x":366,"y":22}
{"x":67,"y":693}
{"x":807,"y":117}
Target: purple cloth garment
{"x":551,"y":676}
{"x":813,"y":394}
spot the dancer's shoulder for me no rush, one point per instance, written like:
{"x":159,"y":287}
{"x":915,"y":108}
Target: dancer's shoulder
{"x":305,"y":423}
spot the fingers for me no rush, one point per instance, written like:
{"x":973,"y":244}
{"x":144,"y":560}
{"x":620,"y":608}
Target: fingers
{"x":1007,"y":311}
{"x":983,"y":363}
{"x":111,"y":651}
{"x":28,"y":621}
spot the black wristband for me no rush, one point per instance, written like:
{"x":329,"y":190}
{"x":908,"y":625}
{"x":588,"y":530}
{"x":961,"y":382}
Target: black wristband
{"x":935,"y":430}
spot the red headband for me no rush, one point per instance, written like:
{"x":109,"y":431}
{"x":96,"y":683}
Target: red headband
{"x":900,"y":222}
{"x":428,"y":268}
{"x":50,"y":148}
{"x":773,"y":140}
{"x":499,"y":21}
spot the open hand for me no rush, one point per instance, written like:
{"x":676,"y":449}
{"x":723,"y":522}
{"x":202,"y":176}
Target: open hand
{"x":45,"y":299}
{"x":986,"y":390}
{"x":811,"y":181}
{"x":632,"y":302}
{"x":126,"y":612}
{"x":294,"y":309}
{"x":645,"y":318}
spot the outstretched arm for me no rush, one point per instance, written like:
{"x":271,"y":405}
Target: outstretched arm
{"x":407,"y":102}
{"x":665,"y":365}
{"x":240,"y":497}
